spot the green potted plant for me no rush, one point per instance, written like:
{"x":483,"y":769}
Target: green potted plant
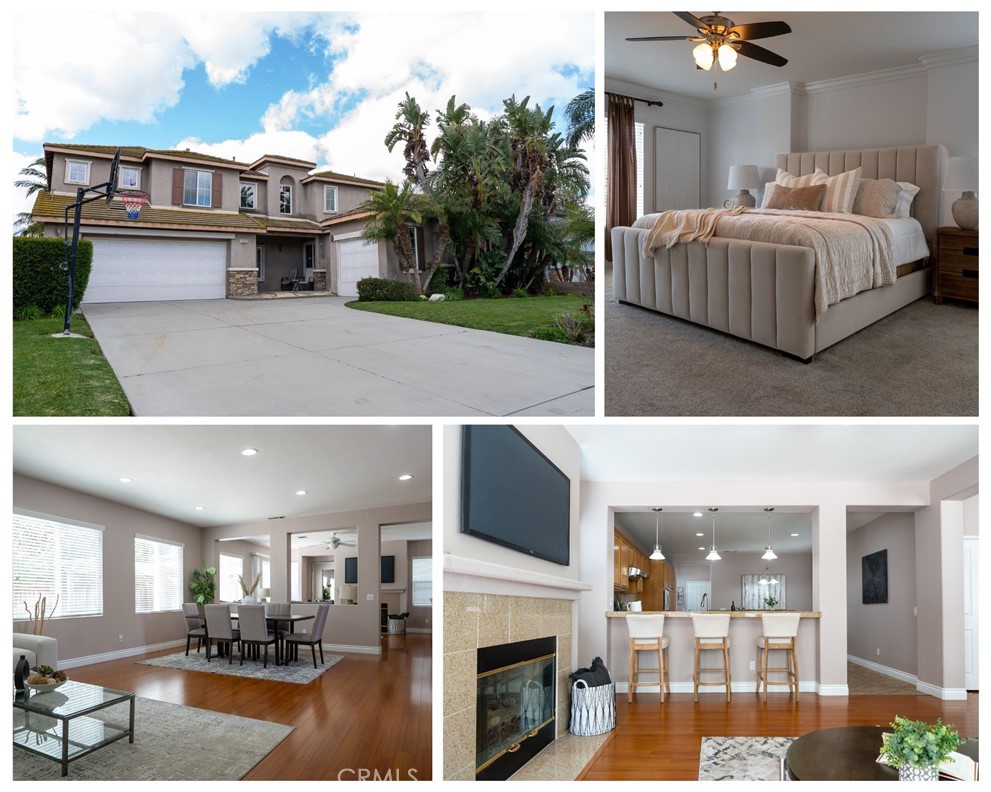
{"x":918,"y":748}
{"x":202,"y":584}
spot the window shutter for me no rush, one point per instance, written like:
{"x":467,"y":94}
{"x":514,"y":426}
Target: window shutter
{"x":216,"y":193}
{"x":177,"y":184}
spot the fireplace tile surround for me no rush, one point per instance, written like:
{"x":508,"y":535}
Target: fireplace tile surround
{"x":473,"y":620}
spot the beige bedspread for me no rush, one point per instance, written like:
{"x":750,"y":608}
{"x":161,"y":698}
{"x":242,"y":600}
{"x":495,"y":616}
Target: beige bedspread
{"x":852,"y":252}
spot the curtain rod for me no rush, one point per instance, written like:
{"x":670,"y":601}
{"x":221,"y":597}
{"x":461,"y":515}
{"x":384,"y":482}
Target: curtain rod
{"x":648,"y":102}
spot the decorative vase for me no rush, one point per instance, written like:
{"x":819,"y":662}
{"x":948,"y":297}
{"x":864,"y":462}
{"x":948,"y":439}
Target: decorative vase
{"x":22,"y":670}
{"x":965,"y":211}
{"x":909,"y":772}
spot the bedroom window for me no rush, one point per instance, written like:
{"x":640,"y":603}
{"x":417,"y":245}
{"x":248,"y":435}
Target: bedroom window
{"x":57,"y":558}
{"x":639,"y":145}
{"x":76,"y":172}
{"x":197,"y":187}
{"x":329,"y":198}
{"x":247,"y":196}
{"x":158,"y":575}
{"x":129,"y":179}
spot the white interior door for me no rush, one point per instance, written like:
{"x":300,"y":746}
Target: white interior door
{"x":971,"y":620}
{"x":677,"y":169}
{"x":694,"y":590}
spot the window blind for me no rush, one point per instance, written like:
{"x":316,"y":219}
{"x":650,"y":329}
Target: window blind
{"x":423,"y":582}
{"x":158,"y":577}
{"x":231,"y":567}
{"x":57,"y":558}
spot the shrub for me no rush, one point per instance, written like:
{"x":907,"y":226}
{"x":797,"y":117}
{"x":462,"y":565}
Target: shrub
{"x":440,"y":280}
{"x":520,"y":293}
{"x":550,"y":334}
{"x":453,"y":294}
{"x":38,"y":277}
{"x":579,"y":328}
{"x":28,"y":313}
{"x":385,"y":290}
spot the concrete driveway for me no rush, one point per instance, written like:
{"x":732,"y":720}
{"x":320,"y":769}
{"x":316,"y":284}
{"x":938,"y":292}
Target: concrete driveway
{"x":316,"y":357}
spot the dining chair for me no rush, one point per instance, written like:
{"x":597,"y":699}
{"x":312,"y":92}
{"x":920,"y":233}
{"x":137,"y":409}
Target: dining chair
{"x":219,"y":630}
{"x":312,"y":639}
{"x":194,"y":625}
{"x":254,"y":631}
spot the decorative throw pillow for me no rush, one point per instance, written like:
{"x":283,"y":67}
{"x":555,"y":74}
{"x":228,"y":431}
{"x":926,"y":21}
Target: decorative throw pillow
{"x":797,"y":198}
{"x":841,"y":190}
{"x":787,"y":180}
{"x":908,"y":193}
{"x":768,"y":189}
{"x":876,"y":198}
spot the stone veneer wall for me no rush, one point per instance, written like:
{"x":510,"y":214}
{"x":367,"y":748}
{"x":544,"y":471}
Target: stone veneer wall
{"x":242,"y":282}
{"x":319,"y":280}
{"x":476,"y":620}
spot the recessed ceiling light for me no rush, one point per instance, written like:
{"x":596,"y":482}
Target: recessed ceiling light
{"x":249,"y":452}
{"x":700,"y":534}
{"x":701,"y":548}
{"x":697,"y":514}
{"x":125,"y":480}
{"x":794,"y":534}
{"x":406,"y":477}
{"x":300,"y":492}
{"x":199,"y":508}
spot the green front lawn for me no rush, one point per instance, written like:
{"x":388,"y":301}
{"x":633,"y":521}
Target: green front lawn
{"x":524,"y":316}
{"x":63,"y":376}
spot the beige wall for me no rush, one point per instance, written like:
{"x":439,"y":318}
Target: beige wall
{"x":98,"y":635}
{"x":884,"y":633}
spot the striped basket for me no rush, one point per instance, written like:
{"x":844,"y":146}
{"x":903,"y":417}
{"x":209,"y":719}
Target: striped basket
{"x":593,"y":709}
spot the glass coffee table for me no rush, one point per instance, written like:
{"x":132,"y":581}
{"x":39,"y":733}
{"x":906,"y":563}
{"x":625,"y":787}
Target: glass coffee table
{"x":54,"y":723}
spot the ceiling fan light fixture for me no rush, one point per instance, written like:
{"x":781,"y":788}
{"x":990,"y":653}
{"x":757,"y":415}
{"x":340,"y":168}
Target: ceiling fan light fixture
{"x":703,"y":55}
{"x":727,"y":57}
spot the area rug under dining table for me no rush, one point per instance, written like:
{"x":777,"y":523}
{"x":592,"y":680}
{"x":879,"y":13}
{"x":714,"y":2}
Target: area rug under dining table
{"x":300,"y":673}
{"x":171,"y":743}
{"x":742,"y":758}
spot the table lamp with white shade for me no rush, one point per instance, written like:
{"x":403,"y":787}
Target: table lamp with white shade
{"x":961,"y":177}
{"x":743,"y":178}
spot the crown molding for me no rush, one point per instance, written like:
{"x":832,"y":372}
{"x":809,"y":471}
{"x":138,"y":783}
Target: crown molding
{"x":950,"y":57}
{"x":868,"y":78}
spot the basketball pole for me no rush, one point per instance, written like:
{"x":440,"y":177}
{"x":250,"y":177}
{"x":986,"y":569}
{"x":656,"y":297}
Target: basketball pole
{"x":81,"y":200}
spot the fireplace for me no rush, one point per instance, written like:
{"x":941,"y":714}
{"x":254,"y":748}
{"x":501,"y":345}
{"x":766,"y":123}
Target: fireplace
{"x":516,"y":705}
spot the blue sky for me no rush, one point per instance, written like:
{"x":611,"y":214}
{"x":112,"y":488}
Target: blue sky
{"x":318,"y":86}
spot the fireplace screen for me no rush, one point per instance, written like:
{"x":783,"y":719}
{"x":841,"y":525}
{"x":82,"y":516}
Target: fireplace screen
{"x":514,"y":702}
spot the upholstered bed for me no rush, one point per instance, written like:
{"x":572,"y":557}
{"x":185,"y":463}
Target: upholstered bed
{"x":765,"y":291}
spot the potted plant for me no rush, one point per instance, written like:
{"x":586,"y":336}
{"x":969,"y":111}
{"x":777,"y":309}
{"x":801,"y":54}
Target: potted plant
{"x":918,"y":748}
{"x":202,"y":584}
{"x":249,"y":588}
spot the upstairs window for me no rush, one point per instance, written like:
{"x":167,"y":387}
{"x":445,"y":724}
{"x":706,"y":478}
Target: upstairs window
{"x":76,"y":172}
{"x":129,"y":179}
{"x":158,"y":576}
{"x":329,"y":198}
{"x":285,"y":199}
{"x":247,"y":196}
{"x":197,"y":188}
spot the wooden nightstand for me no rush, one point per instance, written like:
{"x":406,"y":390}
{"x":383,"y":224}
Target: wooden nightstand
{"x":955,"y":264}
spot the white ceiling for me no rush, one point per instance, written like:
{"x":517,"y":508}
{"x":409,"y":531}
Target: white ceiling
{"x":176,"y":468}
{"x":408,"y":532}
{"x":821,"y":46}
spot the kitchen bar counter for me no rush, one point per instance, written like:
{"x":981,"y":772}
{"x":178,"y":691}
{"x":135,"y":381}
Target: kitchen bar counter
{"x":745,"y":627}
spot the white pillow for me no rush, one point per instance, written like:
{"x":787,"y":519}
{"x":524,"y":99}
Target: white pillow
{"x":785,"y":179}
{"x":768,"y":189}
{"x":841,"y":190}
{"x":904,"y":205}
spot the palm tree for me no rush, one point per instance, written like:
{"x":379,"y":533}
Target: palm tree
{"x":580,"y":114}
{"x":411,"y":122}
{"x":35,"y":179}
{"x":393,"y":208}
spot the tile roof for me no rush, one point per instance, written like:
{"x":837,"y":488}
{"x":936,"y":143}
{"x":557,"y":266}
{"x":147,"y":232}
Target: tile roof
{"x":273,"y":224}
{"x":140,"y":152}
{"x":51,"y":206}
{"x":352,"y":214}
{"x":328,"y":175}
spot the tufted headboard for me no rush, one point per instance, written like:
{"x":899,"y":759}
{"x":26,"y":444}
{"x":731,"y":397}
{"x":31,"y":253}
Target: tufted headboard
{"x":920,"y":165}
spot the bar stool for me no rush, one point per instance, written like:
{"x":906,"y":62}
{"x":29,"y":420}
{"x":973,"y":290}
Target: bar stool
{"x":780,"y":630}
{"x":711,"y":632}
{"x":647,"y":635}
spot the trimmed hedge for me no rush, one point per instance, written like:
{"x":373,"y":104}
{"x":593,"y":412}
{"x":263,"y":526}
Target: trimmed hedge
{"x":385,"y":290}
{"x":38,"y":277}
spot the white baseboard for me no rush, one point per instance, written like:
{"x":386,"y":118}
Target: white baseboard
{"x":946,"y":694}
{"x":894,"y":673}
{"x":834,"y":690}
{"x":352,"y":649}
{"x":425,"y":630}
{"x":119,"y":655}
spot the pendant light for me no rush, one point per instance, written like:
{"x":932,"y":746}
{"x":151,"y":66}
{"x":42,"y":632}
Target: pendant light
{"x":768,"y":551}
{"x":657,"y":555}
{"x":713,"y":555}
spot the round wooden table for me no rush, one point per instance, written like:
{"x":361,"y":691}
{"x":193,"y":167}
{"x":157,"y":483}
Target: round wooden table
{"x":848,"y":753}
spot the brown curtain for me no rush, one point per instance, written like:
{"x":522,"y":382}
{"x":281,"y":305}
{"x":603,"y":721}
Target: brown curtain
{"x":621,"y":201}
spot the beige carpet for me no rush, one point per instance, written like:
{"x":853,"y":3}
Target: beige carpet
{"x":920,"y":361}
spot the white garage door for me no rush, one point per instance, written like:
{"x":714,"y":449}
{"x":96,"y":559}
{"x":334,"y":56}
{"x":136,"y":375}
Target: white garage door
{"x":134,"y":270}
{"x":356,"y":259}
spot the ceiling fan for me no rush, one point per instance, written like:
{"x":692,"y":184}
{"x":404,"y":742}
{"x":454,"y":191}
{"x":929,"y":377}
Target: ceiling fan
{"x":720,"y":40}
{"x":335,"y":542}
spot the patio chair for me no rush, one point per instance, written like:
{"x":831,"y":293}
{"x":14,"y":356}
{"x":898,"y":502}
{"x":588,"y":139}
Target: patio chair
{"x":219,"y":630}
{"x":311,"y":639}
{"x":289,"y":281}
{"x":194,"y":625}
{"x":254,"y":631}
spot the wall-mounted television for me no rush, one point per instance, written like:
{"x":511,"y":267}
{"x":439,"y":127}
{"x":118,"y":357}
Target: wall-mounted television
{"x":513,"y":495}
{"x":351,"y":570}
{"x":388,"y":569}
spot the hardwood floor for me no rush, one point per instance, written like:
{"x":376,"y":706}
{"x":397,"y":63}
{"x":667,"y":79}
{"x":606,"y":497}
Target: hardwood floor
{"x":368,"y":713}
{"x":655,"y":741}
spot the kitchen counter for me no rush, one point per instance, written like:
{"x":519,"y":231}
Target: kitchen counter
{"x":745,"y":627}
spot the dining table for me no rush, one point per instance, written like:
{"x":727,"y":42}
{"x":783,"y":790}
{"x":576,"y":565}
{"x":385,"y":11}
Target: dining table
{"x":273,"y":622}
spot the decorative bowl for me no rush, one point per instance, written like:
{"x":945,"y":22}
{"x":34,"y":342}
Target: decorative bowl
{"x":45,"y":688}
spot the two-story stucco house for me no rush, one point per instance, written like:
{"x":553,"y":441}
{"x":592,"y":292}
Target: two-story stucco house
{"x":215,"y":228}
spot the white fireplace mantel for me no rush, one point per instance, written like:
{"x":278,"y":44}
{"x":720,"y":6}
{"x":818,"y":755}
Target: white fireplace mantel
{"x":483,"y":577}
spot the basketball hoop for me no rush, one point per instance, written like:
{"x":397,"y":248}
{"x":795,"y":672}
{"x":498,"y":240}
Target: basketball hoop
{"x":133,"y":200}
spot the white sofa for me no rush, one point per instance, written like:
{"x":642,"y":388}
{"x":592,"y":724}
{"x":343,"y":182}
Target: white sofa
{"x":37,"y":649}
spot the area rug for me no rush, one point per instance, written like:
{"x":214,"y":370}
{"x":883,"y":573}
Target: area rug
{"x":171,"y":743}
{"x":742,"y":758}
{"x":299,"y":673}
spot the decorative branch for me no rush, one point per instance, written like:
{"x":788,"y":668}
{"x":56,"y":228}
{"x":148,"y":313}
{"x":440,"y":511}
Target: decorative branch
{"x":38,"y":616}
{"x":249,"y":590}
